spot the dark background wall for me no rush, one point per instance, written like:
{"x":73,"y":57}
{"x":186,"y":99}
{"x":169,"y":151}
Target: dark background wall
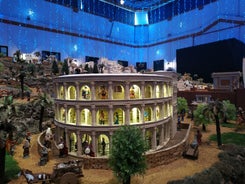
{"x":203,"y":60}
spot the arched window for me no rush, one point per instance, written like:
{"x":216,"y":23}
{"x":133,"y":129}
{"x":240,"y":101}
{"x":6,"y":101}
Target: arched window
{"x":73,"y":142}
{"x":61,"y":94}
{"x":62,"y":114}
{"x":86,"y":117}
{"x":148,"y":91}
{"x":101,"y":92}
{"x":85,"y":92}
{"x":71,"y":93}
{"x":134,"y":92}
{"x":118,"y":117}
{"x":71,"y":116}
{"x":103,"y":145}
{"x":118,"y":92}
{"x":135,"y":115}
{"x":87,"y":143}
{"x":158,"y":91}
{"x":102,"y":117}
{"x":148,"y":114}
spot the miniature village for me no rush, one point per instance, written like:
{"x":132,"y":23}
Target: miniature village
{"x":70,"y":152}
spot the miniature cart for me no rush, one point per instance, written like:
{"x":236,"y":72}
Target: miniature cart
{"x":63,"y":173}
{"x":191,"y":152}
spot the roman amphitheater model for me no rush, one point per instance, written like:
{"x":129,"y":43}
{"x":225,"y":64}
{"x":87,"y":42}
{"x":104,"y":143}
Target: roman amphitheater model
{"x":90,"y":107}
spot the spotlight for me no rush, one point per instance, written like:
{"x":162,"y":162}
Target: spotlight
{"x":122,"y":2}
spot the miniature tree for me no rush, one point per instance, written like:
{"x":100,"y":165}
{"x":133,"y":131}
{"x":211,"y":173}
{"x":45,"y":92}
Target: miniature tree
{"x":44,"y":100}
{"x":22,"y":76}
{"x":230,"y":111}
{"x":127,"y":153}
{"x":182,"y":106}
{"x":55,"y":68}
{"x":200,"y":118}
{"x":215,"y":110}
{"x":7,"y":111}
{"x":65,"y":68}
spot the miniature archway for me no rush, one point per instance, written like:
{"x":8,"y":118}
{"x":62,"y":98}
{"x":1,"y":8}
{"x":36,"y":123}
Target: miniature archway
{"x":148,"y":114}
{"x":86,"y":117}
{"x":135,"y":115}
{"x":103,"y":145}
{"x":71,"y":93}
{"x":165,"y":94}
{"x":71,"y":115}
{"x":87,"y":143}
{"x":148,"y":138}
{"x":62,"y":114}
{"x":148,"y":91}
{"x":119,"y":117}
{"x":158,"y":91}
{"x":102,"y":117}
{"x":134,"y":92}
{"x":158,"y":112}
{"x":101,"y":92}
{"x":85,"y":92}
{"x":72,"y":142}
{"x":118,"y":92}
{"x":61,"y":94}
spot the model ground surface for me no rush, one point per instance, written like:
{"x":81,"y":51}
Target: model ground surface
{"x":178,"y":169}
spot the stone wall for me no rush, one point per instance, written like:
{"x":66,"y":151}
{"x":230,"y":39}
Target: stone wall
{"x":161,"y":157}
{"x":154,"y":159}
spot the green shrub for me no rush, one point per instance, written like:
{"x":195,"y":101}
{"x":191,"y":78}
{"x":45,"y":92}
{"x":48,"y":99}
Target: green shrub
{"x":11,"y":168}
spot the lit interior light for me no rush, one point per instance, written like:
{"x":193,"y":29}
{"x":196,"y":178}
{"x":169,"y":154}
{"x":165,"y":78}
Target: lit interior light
{"x":30,"y":12}
{"x":122,"y":2}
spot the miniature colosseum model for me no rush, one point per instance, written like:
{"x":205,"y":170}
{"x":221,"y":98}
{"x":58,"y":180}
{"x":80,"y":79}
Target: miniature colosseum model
{"x":90,"y":107}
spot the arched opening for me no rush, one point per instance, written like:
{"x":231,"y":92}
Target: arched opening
{"x":61,"y":94}
{"x":86,"y":117}
{"x":148,"y":91}
{"x":148,"y":114}
{"x":118,"y":92}
{"x":85,"y":92}
{"x":73,"y":142}
{"x":135,"y":115}
{"x":119,"y":117}
{"x":62,"y":114}
{"x":101,"y":92}
{"x":134,"y":92}
{"x":102,"y":117}
{"x":158,"y":113}
{"x":72,"y":93}
{"x":158,"y":91}
{"x":148,"y":138}
{"x":87,"y":148}
{"x":71,"y":116}
{"x":103,"y":145}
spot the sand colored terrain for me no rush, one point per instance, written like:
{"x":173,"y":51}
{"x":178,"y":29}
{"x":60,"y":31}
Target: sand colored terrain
{"x":178,"y":169}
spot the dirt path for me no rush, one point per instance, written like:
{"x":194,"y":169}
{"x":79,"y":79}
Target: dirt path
{"x":159,"y":175}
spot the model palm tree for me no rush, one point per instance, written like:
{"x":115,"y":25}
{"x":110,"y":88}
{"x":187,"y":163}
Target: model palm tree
{"x":7,"y":111}
{"x":216,"y":111}
{"x":44,"y":100}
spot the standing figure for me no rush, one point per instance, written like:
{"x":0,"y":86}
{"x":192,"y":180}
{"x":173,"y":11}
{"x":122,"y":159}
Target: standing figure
{"x":103,"y":93}
{"x":116,"y":119}
{"x":131,"y":93}
{"x":48,"y":138}
{"x":102,"y":118}
{"x":103,"y":144}
{"x":62,"y":148}
{"x":26,"y":147}
{"x":199,"y":137}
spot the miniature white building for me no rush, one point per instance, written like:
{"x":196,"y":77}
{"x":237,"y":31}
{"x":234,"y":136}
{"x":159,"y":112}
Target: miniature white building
{"x":90,"y":107}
